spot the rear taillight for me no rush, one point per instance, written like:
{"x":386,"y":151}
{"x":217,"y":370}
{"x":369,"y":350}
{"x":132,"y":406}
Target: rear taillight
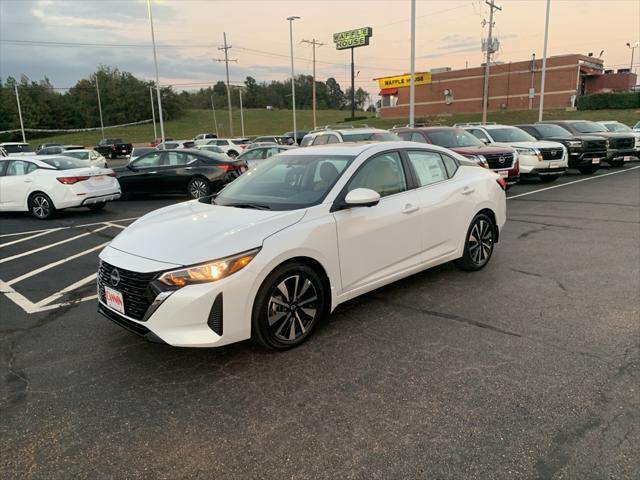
{"x":113,"y":147}
{"x":502,"y":182}
{"x":228,"y":167}
{"x":72,"y":180}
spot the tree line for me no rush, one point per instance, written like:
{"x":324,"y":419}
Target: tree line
{"x":125,"y":98}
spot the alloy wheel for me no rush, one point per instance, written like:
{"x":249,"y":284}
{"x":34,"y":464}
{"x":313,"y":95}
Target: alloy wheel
{"x":480,"y":242}
{"x":292,"y":308}
{"x":198,"y":188}
{"x":41,"y":206}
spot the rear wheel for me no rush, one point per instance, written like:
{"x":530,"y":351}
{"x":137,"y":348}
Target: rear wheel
{"x":96,"y":206}
{"x":615,"y":163}
{"x":198,"y":187}
{"x":479,"y":244}
{"x":588,"y":169}
{"x":232,"y":154}
{"x":41,"y":206}
{"x":289,"y":305}
{"x":549,"y":178}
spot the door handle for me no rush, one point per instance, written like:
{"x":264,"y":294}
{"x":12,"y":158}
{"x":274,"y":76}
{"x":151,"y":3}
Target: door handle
{"x":28,"y":180}
{"x":153,"y":172}
{"x":467,"y":190}
{"x":409,"y":208}
{"x":188,"y":168}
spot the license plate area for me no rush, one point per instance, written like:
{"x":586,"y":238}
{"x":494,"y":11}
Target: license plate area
{"x":595,"y":161}
{"x":114,"y":299}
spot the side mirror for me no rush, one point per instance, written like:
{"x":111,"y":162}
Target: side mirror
{"x":362,"y":197}
{"x":485,"y":141}
{"x":131,"y":167}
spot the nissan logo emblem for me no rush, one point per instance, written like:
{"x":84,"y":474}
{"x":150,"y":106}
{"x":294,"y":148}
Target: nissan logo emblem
{"x":115,"y":277}
{"x":502,"y":159}
{"x":553,"y":152}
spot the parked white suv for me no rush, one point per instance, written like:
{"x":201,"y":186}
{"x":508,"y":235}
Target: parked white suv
{"x":538,"y":158}
{"x":231,"y":146}
{"x":347,"y":134}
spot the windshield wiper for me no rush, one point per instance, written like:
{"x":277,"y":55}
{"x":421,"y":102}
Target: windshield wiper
{"x":256,"y":206}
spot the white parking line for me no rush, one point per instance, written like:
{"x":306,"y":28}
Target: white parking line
{"x":571,"y":183}
{"x":36,"y":250}
{"x":66,"y":228}
{"x":54,"y":264}
{"x":46,"y":232}
{"x":17,"y":298}
{"x":65,"y":290}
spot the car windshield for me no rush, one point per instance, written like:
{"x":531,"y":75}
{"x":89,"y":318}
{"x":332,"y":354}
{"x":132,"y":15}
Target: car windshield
{"x":510,"y":134}
{"x":80,"y":155}
{"x":65,"y":163}
{"x":588,"y":127}
{"x":617,"y":127}
{"x":22,"y":147}
{"x":454,"y":138}
{"x":552,"y":131}
{"x":370,"y":136}
{"x":285,"y":182}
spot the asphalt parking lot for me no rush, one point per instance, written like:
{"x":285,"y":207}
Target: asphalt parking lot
{"x":526,"y":369}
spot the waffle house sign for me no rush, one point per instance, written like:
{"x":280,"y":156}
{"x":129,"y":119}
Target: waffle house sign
{"x":404,"y":80}
{"x":352,"y":38}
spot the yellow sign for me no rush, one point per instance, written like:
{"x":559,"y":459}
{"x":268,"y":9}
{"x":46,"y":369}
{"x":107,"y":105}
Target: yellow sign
{"x":353,"y":38}
{"x":403,"y":80}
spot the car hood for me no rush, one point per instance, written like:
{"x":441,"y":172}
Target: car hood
{"x":484,"y":150}
{"x":585,"y":137}
{"x":613,"y":134}
{"x":195,"y":232}
{"x":537,"y":144}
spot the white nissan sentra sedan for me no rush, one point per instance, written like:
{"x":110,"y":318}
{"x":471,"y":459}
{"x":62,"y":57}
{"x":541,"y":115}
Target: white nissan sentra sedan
{"x":280,"y":247}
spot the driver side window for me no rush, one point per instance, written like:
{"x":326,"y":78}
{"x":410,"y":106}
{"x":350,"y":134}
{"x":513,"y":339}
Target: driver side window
{"x":479,"y":134}
{"x":149,"y":160}
{"x":383,"y":174}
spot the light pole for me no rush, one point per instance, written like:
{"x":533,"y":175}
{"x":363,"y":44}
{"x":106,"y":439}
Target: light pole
{"x":24,"y":139}
{"x":241,"y":112}
{"x":99,"y":105}
{"x":155,"y":62}
{"x":153,"y":114}
{"x":632,"y":47}
{"x":293,"y":77}
{"x":215,"y":121}
{"x":544,"y":61}
{"x":412,"y":83}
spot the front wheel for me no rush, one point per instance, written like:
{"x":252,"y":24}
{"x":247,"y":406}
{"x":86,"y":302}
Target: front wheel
{"x":41,"y":206}
{"x":289,"y":305}
{"x":198,"y":187}
{"x":588,"y":169}
{"x":232,"y":154}
{"x":549,"y":178}
{"x":479,"y":244}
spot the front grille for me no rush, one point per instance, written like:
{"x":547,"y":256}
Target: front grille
{"x":123,"y":322}
{"x":595,"y":145}
{"x":134,"y":287}
{"x":552,"y":153}
{"x":622,"y":142}
{"x":497,"y":161}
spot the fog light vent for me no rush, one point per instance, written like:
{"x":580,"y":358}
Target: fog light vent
{"x":215,"y":316}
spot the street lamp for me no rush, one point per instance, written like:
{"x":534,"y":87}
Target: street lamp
{"x":155,"y":63}
{"x":293,"y":77}
{"x":632,"y":47}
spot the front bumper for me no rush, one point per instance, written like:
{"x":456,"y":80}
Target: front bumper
{"x":583,"y":159}
{"x":618,"y":154}
{"x":531,"y":165}
{"x":192,"y":316}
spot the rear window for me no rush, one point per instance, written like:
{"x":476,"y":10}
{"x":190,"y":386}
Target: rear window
{"x":64,"y":163}
{"x":80,"y":155}
{"x":588,"y":127}
{"x":213,"y":157}
{"x":23,"y":147}
{"x":370,"y":136}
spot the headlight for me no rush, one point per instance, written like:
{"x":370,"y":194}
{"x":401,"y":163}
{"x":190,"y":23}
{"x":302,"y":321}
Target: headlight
{"x":481,"y":159}
{"x":607,"y":143}
{"x":575,"y":143}
{"x":526,"y":151}
{"x":208,"y":272}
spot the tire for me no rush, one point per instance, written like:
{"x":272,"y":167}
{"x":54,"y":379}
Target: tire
{"x":589,"y":169}
{"x":198,"y":187}
{"x":41,"y":206}
{"x":290,"y":303}
{"x":548,"y":178}
{"x":615,"y":163}
{"x":112,"y":155}
{"x":477,"y":254}
{"x":232,"y":154}
{"x":94,"y":207}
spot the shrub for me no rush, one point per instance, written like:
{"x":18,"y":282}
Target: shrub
{"x":600,"y":101}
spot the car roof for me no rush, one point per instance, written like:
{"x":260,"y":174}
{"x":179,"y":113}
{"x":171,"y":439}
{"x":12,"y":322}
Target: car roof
{"x":13,"y":143}
{"x":356,"y":148}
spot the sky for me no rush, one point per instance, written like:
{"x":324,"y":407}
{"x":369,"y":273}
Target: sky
{"x":66,"y":40}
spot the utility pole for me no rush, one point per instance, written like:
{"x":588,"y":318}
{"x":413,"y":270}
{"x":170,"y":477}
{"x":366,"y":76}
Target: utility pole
{"x":241,"y":112}
{"x":544,"y":61}
{"x":153,"y":115}
{"x":412,"y":82}
{"x":485,"y":96}
{"x":215,"y":121}
{"x":99,"y":105}
{"x":314,"y":43}
{"x":155,"y":63}
{"x":533,"y":75}
{"x":353,"y":88}
{"x":24,"y":139}
{"x":291,"y":19}
{"x":226,"y":61}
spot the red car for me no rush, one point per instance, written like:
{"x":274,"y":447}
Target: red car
{"x":502,"y":160}
{"x":157,"y":141}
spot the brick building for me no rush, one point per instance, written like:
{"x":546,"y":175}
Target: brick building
{"x":510,"y":84}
